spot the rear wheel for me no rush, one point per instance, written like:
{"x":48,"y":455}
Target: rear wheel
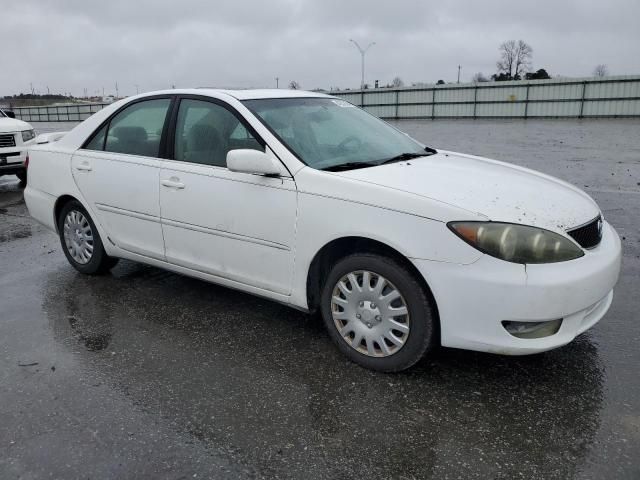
{"x":81,"y":241}
{"x":377,"y":312}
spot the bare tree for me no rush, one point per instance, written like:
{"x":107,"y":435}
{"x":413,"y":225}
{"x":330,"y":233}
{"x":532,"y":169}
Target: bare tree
{"x":479,"y":77}
{"x":507,"y":57}
{"x":515,"y":58}
{"x":397,"y":82}
{"x":524,"y":54}
{"x":293,"y":85}
{"x":601,"y":70}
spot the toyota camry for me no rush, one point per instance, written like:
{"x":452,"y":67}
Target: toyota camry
{"x":308,"y":200}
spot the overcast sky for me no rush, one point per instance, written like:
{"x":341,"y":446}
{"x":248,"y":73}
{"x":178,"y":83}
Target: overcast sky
{"x":70,"y":45}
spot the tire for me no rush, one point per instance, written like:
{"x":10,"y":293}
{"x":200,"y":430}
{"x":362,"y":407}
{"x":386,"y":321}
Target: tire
{"x":22,"y":176}
{"x":415,"y":332}
{"x":84,"y":249}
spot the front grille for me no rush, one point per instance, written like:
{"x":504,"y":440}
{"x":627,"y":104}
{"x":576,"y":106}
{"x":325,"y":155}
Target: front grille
{"x":589,"y":235}
{"x":7,"y":140}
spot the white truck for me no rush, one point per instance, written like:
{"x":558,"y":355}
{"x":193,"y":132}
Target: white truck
{"x":15,"y":137}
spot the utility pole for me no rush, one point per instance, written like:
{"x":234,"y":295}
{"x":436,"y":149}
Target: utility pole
{"x":31,"y":85}
{"x":137,"y":89}
{"x":362,"y":53}
{"x":117,"y":91}
{"x":459,"y":73}
{"x":277,"y":80}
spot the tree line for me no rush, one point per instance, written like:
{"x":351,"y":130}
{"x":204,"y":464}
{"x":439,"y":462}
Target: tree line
{"x":515,"y":63}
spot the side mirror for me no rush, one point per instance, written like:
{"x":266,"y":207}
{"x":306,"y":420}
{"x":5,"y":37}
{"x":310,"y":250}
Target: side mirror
{"x":252,"y":161}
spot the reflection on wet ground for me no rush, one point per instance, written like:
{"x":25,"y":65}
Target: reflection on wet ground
{"x":148,"y":374}
{"x":232,"y":369}
{"x":23,"y":231}
{"x":14,"y":226}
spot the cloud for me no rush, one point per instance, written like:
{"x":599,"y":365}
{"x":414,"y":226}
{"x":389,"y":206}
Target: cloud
{"x":70,"y":45}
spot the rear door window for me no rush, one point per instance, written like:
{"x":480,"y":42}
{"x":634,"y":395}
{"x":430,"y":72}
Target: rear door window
{"x":137,"y":130}
{"x":97,"y":142}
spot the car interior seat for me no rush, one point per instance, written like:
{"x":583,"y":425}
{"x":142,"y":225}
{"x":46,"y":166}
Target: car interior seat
{"x":133,"y":140}
{"x":204,"y":145}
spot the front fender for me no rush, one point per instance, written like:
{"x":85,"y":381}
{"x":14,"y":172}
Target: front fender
{"x":322,"y":220}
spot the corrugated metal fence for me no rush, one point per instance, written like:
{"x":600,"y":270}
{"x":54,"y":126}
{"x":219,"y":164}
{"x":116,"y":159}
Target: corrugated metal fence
{"x":58,"y":113}
{"x":571,"y":98}
{"x":582,"y":97}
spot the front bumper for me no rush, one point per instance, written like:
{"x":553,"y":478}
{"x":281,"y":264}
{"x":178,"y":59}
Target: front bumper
{"x":12,"y":163}
{"x":474,"y":299}
{"x":12,"y":159}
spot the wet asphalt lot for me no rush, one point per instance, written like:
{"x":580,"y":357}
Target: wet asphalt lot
{"x":149,"y":374}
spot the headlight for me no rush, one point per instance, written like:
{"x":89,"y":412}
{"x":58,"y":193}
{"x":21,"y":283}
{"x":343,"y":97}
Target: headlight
{"x":516,"y":243}
{"x":28,"y":135}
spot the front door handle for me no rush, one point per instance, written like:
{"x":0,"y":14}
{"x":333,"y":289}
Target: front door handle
{"x":173,"y":182}
{"x":84,"y":166}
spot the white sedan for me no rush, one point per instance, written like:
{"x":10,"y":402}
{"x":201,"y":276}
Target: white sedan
{"x":307,"y":200}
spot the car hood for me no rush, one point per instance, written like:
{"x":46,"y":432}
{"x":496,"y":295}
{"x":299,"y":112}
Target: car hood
{"x":499,"y":191}
{"x":9,"y":125}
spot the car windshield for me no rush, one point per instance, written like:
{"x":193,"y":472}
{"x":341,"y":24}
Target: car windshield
{"x":326,"y":133}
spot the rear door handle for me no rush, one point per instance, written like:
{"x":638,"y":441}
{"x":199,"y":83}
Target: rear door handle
{"x":173,"y":182}
{"x":84,"y":166}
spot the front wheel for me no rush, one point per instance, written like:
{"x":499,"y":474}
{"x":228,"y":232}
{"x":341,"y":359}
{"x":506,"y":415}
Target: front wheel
{"x":377,"y":312}
{"x":81,"y":241}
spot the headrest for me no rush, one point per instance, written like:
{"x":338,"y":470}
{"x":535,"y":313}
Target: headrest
{"x":130,"y":134}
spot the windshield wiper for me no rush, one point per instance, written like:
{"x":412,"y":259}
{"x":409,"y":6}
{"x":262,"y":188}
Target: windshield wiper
{"x":398,"y":158}
{"x":408,"y":156}
{"x":348,"y":166}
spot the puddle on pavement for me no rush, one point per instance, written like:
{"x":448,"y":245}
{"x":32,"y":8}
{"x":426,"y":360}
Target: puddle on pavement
{"x":93,"y":340}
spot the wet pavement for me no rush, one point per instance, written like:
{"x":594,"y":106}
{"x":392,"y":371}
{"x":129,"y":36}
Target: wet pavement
{"x":149,"y":374}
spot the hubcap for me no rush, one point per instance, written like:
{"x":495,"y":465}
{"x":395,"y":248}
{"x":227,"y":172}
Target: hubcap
{"x":78,"y":237}
{"x":370,"y":313}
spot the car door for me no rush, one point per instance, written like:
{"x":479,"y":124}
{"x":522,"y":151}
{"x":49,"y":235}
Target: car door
{"x":118,"y":170}
{"x":237,"y":226}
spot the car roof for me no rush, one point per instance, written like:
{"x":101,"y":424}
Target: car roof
{"x":248,"y":94}
{"x":252,"y":94}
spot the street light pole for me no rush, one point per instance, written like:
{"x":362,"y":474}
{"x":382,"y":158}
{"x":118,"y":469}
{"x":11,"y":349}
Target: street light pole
{"x":362,"y":52}
{"x":459,"y":73}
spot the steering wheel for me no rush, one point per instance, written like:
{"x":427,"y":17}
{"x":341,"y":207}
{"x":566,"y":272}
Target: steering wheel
{"x":352,"y":140}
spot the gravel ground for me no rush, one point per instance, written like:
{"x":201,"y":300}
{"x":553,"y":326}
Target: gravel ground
{"x":149,"y":374}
